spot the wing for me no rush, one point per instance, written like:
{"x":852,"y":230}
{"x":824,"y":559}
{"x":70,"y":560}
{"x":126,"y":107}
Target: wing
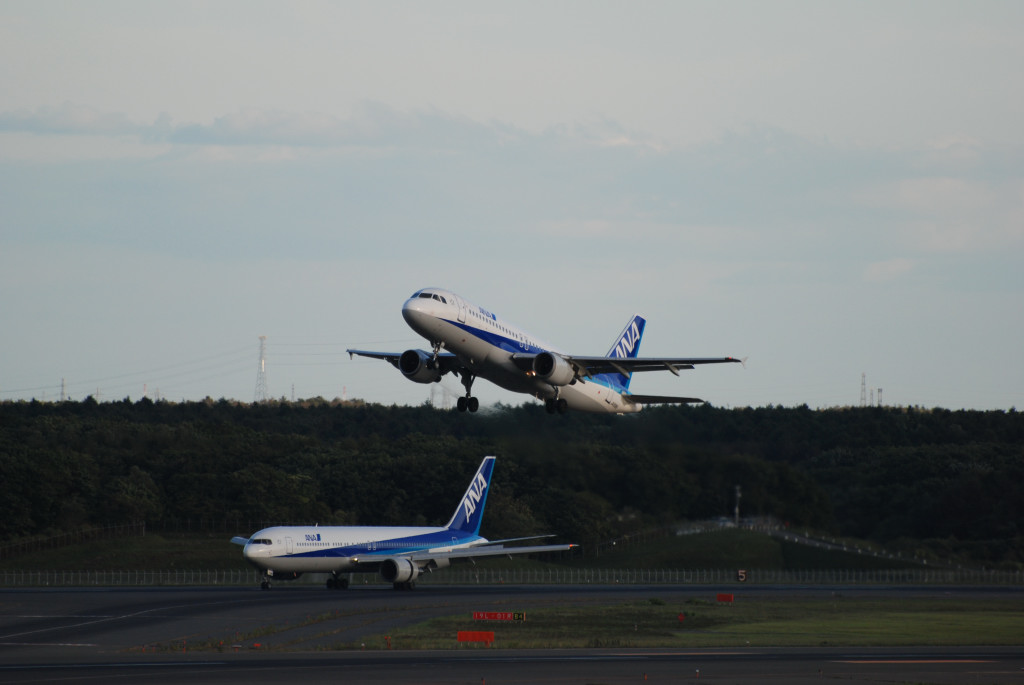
{"x":594,"y":366}
{"x":587,"y":367}
{"x":659,"y":399}
{"x":427,"y":559}
{"x":446,"y":361}
{"x":486,"y":550}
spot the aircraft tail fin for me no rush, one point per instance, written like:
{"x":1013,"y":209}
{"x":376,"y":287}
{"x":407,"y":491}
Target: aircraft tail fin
{"x":470,"y":511}
{"x":626,"y":346}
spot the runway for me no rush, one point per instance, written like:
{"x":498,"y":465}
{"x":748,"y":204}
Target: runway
{"x":291,"y":634}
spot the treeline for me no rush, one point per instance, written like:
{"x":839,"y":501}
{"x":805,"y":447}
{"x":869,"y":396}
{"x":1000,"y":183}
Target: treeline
{"x":875,"y":473}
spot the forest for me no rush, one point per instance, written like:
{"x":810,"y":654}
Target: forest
{"x":896,"y":476}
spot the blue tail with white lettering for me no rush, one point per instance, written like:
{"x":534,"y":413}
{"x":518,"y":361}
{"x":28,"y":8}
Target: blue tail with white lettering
{"x":470,"y":511}
{"x":625,"y":346}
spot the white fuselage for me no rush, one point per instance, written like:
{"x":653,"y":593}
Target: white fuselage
{"x":339,"y":549}
{"x":485,"y":343}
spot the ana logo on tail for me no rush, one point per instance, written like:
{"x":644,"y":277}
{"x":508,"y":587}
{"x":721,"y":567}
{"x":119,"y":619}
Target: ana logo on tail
{"x":473,"y":495}
{"x":630,"y":339}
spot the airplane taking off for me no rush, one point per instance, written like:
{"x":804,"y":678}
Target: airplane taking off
{"x":479,"y":343}
{"x":399,"y":554}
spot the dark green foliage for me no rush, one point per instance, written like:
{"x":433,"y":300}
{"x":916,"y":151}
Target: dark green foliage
{"x":874,"y":473}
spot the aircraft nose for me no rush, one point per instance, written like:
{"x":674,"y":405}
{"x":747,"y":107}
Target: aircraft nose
{"x":418,"y":312}
{"x":251,"y":551}
{"x":415,"y":304}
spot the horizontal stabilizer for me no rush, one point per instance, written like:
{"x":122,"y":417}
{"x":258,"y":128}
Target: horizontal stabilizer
{"x":531,"y":537}
{"x":239,"y":540}
{"x":658,"y":399}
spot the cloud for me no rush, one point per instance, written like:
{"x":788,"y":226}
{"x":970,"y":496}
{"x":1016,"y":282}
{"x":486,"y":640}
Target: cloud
{"x":370,"y":124}
{"x":68,"y":118}
{"x":576,"y":186}
{"x":262,"y":127}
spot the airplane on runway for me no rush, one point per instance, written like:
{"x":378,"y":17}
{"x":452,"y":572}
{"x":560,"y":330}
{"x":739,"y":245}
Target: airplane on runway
{"x":479,"y":343}
{"x":400,"y":554}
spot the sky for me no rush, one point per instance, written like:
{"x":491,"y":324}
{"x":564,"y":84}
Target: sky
{"x":834,"y":191}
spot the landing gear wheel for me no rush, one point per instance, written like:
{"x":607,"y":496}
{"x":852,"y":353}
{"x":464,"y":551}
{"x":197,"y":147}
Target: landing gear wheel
{"x":468,"y":402}
{"x":409,"y":585}
{"x":556,"y":406}
{"x":265,"y":585}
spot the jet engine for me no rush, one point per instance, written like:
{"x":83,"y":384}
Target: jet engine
{"x":553,"y":369}
{"x":416,"y":366}
{"x":399,"y":570}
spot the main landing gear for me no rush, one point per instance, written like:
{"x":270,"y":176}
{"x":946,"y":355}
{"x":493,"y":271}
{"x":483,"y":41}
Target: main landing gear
{"x":336,"y":583}
{"x":555,"y":405}
{"x":468,"y":402}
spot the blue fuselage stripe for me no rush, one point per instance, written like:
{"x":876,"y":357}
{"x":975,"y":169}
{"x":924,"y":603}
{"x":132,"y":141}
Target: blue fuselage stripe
{"x":389,"y":547}
{"x":513,"y":346}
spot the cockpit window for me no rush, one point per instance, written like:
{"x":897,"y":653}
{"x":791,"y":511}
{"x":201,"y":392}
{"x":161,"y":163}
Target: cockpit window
{"x":261,"y":541}
{"x":428,"y":296}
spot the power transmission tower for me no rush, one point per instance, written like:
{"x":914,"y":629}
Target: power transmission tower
{"x":863,"y":390}
{"x":261,"y":372}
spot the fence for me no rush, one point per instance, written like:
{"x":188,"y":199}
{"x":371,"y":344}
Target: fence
{"x":546,"y":576}
{"x":127,"y":578}
{"x":570,"y":576}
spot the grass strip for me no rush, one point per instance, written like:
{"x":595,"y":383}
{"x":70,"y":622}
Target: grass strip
{"x":746,"y":622}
